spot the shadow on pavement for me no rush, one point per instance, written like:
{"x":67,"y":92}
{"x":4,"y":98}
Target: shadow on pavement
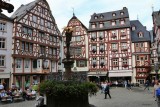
{"x":90,"y":105}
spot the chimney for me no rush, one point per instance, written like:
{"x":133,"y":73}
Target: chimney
{"x":124,"y":8}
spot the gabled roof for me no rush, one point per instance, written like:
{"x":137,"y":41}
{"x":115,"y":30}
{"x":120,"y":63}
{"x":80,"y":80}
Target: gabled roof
{"x":139,"y":28}
{"x":156,"y":15}
{"x":74,"y":17}
{"x":109,"y":15}
{"x":4,"y":17}
{"x":22,"y":10}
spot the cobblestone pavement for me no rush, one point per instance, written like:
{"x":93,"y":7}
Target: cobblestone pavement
{"x":121,"y":97}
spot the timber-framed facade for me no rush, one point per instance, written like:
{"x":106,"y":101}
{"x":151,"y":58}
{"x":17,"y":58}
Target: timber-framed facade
{"x":35,"y":46}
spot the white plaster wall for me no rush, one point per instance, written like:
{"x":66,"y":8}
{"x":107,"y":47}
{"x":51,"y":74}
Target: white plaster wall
{"x":7,"y":52}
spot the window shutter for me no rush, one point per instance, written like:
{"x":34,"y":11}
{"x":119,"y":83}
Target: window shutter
{"x":34,"y":63}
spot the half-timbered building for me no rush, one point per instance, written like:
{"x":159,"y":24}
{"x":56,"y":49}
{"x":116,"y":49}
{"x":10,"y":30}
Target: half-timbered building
{"x":78,"y":45}
{"x":156,"y":41}
{"x":6,"y":25}
{"x":109,"y":49}
{"x":141,"y":42}
{"x":35,"y":43}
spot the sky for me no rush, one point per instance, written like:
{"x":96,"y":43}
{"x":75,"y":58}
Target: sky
{"x":62,"y":10}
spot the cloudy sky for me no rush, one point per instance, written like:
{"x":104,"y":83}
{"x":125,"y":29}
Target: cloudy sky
{"x":62,"y":10}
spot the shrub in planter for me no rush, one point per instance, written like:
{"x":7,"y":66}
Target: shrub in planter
{"x":67,"y":93}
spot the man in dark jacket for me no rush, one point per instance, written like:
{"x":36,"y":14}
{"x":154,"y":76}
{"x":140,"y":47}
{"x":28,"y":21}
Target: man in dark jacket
{"x":146,"y":84}
{"x":107,"y":92}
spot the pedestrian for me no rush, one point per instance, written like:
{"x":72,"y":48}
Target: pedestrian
{"x":129,"y":85}
{"x":1,"y":87}
{"x":146,"y":84}
{"x":156,"y":86}
{"x":107,"y":91}
{"x":116,"y":84}
{"x":125,"y":83}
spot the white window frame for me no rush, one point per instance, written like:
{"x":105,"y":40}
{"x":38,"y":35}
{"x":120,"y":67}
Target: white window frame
{"x":123,"y":45}
{"x":27,"y":63}
{"x":115,"y":62}
{"x":124,"y":61}
{"x":3,"y":26}
{"x":2,"y":43}
{"x":94,"y":60}
{"x":18,"y":63}
{"x":78,"y":51}
{"x":34,"y":18}
{"x":2,"y":61}
{"x":114,"y":46}
{"x":77,"y":38}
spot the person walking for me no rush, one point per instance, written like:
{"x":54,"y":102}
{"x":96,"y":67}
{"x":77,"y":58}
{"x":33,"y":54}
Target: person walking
{"x":146,"y":84}
{"x":156,"y":86}
{"x":129,"y":85}
{"x":107,"y":91}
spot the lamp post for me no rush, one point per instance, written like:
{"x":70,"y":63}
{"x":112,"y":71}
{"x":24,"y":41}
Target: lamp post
{"x":156,"y":70}
{"x":98,"y":75}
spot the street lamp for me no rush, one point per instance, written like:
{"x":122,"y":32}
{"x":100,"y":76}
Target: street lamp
{"x":98,"y":75}
{"x":156,"y":67}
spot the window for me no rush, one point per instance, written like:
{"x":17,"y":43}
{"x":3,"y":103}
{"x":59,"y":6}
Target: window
{"x":51,"y":51}
{"x":123,"y":45}
{"x":42,"y":50}
{"x":93,"y":35}
{"x":48,"y":24}
{"x":114,"y":46}
{"x":114,"y":14}
{"x":26,"y":46}
{"x":101,"y":46}
{"x":94,"y":61}
{"x":27,"y":31}
{"x":122,"y":13}
{"x":27,"y":63}
{"x":114,"y":33}
{"x":46,"y":64}
{"x":115,"y":62}
{"x":122,"y":22}
{"x":77,"y":38}
{"x":101,"y":16}
{"x":2,"y":26}
{"x":95,"y":17}
{"x":18,"y":63}
{"x":2,"y":43}
{"x":77,"y":28}
{"x":133,"y":28}
{"x":38,"y":62}
{"x":146,"y":57}
{"x":101,"y":35}
{"x":140,"y":35}
{"x":2,"y":61}
{"x":34,"y":18}
{"x":93,"y":25}
{"x":102,"y":61}
{"x":101,"y":25}
{"x":113,"y":23}
{"x":51,"y":38}
{"x":81,"y":63}
{"x":35,"y":63}
{"x":78,"y":51}
{"x":94,"y":47}
{"x":124,"y":62}
{"x":41,"y":36}
{"x":42,"y":22}
{"x":137,"y":57}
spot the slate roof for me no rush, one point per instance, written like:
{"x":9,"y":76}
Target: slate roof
{"x":109,"y":16}
{"x":156,"y":15}
{"x":4,"y":17}
{"x":139,"y":28}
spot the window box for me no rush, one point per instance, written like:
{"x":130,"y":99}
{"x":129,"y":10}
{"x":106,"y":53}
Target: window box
{"x":102,"y":64}
{"x":114,"y":50}
{"x":94,"y":50}
{"x":115,"y":66}
{"x":113,"y":36}
{"x":124,"y":49}
{"x":123,"y":34}
{"x":125,"y":65}
{"x":100,"y":37}
{"x":94,"y":65}
{"x":93,"y":38}
{"x":101,"y":50}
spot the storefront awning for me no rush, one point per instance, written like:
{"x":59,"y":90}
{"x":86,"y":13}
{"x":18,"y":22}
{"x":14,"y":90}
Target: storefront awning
{"x":120,"y":73}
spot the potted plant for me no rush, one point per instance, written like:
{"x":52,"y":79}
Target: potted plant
{"x":67,"y":93}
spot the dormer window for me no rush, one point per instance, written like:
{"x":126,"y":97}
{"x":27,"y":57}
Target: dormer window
{"x":93,"y":25}
{"x":101,"y":25}
{"x":133,"y":28}
{"x":122,"y":22}
{"x":95,"y":17}
{"x":122,"y":13}
{"x":113,"y":23}
{"x":114,"y":14}
{"x":140,"y":35}
{"x":101,"y":16}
